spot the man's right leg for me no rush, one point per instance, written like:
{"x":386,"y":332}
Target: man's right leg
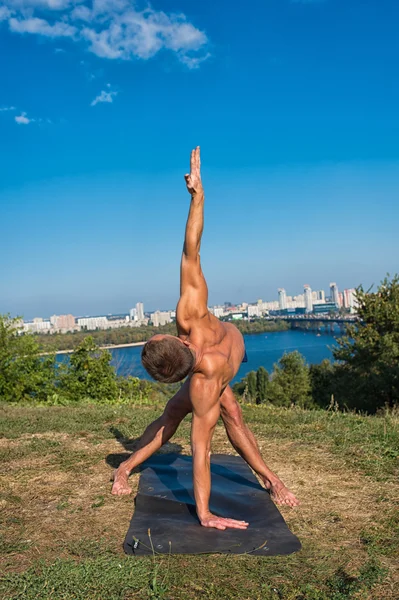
{"x":156,"y":434}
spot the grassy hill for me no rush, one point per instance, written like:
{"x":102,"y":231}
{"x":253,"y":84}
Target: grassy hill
{"x":62,"y":531}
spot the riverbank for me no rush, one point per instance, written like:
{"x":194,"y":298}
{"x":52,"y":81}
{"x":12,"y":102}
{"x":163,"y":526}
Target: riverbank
{"x":65,"y":343}
{"x":113,"y":347}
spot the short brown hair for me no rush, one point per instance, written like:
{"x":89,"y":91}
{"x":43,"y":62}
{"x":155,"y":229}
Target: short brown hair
{"x":167,"y":360}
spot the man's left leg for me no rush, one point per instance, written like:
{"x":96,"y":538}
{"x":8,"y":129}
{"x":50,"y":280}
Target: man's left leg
{"x":244,"y":442}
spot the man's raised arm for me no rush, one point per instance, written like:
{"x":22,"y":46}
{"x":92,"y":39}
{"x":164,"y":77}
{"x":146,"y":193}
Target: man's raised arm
{"x":193,"y":289}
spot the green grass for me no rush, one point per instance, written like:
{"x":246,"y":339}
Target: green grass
{"x":61,"y":531}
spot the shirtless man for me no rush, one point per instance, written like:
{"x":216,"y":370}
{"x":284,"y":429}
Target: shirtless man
{"x":209,"y":353}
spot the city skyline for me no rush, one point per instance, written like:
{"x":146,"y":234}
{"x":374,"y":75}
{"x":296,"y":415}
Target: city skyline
{"x":307,"y":298}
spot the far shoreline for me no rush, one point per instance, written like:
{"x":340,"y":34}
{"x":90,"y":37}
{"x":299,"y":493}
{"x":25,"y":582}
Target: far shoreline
{"x":100,"y":348}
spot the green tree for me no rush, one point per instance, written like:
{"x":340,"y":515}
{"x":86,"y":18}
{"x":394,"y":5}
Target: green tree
{"x":251,"y":386}
{"x":262,"y":381}
{"x":367,"y":375}
{"x":24,"y":374}
{"x":322,"y":382}
{"x":89,"y":375}
{"x":290,"y":382}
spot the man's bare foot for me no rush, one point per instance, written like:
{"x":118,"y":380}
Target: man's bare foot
{"x":120,"y":487}
{"x":281,"y":495}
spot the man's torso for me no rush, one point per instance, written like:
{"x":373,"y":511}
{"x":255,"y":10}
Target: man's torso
{"x":220,"y":346}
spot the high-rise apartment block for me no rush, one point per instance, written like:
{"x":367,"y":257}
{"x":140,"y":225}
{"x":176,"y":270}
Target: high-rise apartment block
{"x":334,"y":294}
{"x":63,"y":322}
{"x":254,"y":310}
{"x":91,"y":323}
{"x":160,"y":318}
{"x":349,"y":299}
{"x":282,"y":299}
{"x":307,"y":292}
{"x":218,"y":311}
{"x":140,"y":311}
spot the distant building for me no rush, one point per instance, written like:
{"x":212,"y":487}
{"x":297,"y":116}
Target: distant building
{"x":133,"y":314}
{"x":140,"y":311}
{"x":158,"y":318}
{"x":325,"y":308}
{"x":38,"y":325}
{"x":254,"y":310}
{"x":282,"y":299}
{"x":321,"y":296}
{"x":349,"y":299}
{"x":92,"y":323}
{"x":63,"y":322}
{"x":334,"y":294}
{"x":218,"y":311}
{"x":308,"y":298}
{"x":268,"y":306}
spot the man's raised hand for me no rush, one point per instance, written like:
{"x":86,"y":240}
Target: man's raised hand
{"x":193,"y":179}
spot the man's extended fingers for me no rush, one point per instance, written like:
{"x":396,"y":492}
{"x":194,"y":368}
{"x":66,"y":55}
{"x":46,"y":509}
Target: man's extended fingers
{"x":197,"y":151}
{"x":192,"y":161}
{"x":235,"y":524}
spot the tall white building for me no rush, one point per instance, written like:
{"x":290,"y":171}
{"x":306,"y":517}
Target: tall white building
{"x":320,"y":296}
{"x":307,"y":292}
{"x":133,"y":314}
{"x":282,"y":299}
{"x":140,"y":311}
{"x":334,"y":293}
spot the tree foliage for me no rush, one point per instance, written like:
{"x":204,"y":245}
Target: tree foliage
{"x":288,"y":385}
{"x":24,"y":374}
{"x":262,"y":382}
{"x":367,"y":374}
{"x":290,"y":382}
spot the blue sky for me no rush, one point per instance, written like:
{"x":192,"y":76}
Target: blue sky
{"x":295,"y":105}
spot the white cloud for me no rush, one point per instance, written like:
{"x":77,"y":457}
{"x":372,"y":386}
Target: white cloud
{"x":7,"y":108}
{"x":4,"y":13}
{"x":42,"y":27}
{"x":110,"y":28}
{"x":22,"y":119}
{"x":104,"y":97}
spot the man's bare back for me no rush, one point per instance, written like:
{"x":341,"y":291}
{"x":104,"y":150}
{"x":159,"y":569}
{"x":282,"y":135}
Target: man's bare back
{"x":209,"y":353}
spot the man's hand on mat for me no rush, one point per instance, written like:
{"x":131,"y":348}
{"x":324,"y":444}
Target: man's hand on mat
{"x":221,"y":523}
{"x":120,"y":487}
{"x":193,"y":179}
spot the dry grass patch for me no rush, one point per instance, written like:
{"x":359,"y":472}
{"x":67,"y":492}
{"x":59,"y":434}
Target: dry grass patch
{"x":56,"y":504}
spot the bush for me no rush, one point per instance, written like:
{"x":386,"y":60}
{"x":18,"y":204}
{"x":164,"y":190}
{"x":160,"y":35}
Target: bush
{"x":288,"y":385}
{"x":24,"y":374}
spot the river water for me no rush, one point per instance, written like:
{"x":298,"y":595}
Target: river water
{"x":263,"y":349}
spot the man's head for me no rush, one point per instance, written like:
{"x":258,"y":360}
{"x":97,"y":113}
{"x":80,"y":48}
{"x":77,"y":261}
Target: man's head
{"x":167,"y":358}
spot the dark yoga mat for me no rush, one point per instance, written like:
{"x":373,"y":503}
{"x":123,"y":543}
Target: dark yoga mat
{"x":165,"y":505}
